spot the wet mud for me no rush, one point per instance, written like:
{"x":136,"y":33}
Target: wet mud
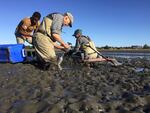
{"x":99,"y":88}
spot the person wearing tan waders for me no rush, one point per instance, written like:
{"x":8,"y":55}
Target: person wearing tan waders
{"x":86,"y":46}
{"x":26,"y":27}
{"x":81,"y":42}
{"x":48,"y":37}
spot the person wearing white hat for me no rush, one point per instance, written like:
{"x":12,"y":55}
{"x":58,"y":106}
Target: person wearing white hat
{"x":49,"y":33}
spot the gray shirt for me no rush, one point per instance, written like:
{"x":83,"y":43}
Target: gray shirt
{"x":57,"y":22}
{"x":81,"y":41}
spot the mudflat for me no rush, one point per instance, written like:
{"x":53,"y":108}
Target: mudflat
{"x":101,"y":88}
{"x":126,"y":50}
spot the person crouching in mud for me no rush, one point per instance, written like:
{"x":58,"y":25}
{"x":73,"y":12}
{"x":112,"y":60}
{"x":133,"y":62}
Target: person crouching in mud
{"x":48,"y":37}
{"x":82,"y":43}
{"x":89,"y":53}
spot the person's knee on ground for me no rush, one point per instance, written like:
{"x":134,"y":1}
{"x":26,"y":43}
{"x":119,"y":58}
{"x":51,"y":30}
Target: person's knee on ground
{"x":52,"y":63}
{"x":41,"y":63}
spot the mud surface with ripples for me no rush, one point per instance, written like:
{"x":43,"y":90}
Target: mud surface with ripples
{"x":24,"y":88}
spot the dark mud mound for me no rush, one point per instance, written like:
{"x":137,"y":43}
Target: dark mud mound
{"x":101,"y":88}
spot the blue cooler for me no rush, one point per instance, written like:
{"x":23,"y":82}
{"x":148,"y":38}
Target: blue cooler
{"x":12,"y":53}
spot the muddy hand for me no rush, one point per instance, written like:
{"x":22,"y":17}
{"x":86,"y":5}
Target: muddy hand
{"x":66,"y":46}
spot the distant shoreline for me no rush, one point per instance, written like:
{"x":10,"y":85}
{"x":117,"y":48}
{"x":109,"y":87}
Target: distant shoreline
{"x":125,"y":50}
{"x":111,"y":50}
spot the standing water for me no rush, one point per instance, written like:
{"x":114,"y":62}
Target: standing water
{"x":127,"y":54}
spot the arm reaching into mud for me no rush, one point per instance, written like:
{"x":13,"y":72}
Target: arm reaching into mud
{"x":60,"y":47}
{"x":58,"y":38}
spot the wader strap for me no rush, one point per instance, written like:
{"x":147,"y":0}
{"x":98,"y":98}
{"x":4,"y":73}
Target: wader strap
{"x":91,"y":53}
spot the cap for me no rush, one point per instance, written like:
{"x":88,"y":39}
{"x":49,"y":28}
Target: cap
{"x":78,"y":31}
{"x":70,"y":17}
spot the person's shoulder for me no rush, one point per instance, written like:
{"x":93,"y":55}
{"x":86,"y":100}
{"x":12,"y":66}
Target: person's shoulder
{"x":86,"y":37}
{"x":54,"y":14}
{"x":82,"y":36}
{"x":26,"y":20}
{"x":57,"y":14}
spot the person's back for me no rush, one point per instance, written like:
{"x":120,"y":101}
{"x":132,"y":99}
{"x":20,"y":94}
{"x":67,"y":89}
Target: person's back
{"x":88,"y":47}
{"x":90,"y":50}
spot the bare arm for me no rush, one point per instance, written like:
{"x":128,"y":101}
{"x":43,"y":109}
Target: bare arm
{"x":24,"y":27}
{"x":58,"y":38}
{"x":23,"y":31}
{"x":58,"y":46}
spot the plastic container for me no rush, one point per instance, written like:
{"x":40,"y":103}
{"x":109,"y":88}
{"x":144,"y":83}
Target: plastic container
{"x":12,"y":53}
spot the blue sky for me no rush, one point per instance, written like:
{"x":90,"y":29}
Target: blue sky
{"x":107,"y":22}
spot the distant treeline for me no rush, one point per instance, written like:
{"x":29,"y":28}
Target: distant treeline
{"x":112,"y":48}
{"x":130,"y":47}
